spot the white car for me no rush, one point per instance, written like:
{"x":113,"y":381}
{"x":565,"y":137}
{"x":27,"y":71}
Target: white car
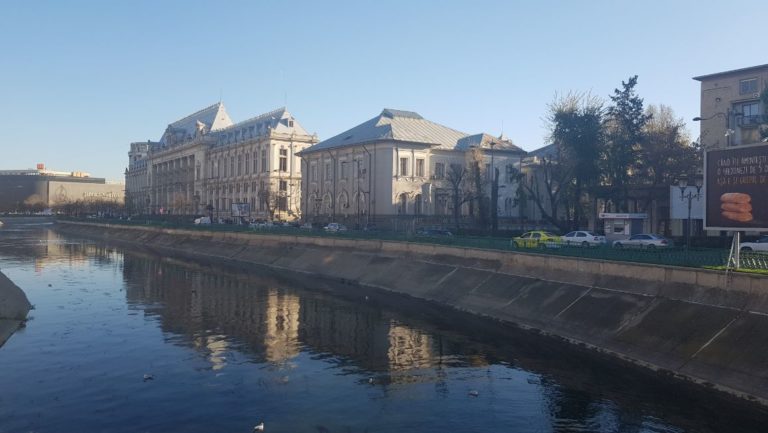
{"x":583,"y":238}
{"x":644,"y":240}
{"x":758,"y":245}
{"x":335,"y":228}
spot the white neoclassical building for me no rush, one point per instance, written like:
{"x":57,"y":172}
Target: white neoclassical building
{"x":207,"y":163}
{"x":399,"y":165}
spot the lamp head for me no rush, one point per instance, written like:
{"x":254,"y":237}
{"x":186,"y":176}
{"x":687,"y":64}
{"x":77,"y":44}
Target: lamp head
{"x":682,"y":182}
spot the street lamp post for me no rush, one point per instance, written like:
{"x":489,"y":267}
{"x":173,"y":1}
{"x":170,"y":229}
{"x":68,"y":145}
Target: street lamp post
{"x":725,"y":115}
{"x":690,"y":196}
{"x":494,"y":195}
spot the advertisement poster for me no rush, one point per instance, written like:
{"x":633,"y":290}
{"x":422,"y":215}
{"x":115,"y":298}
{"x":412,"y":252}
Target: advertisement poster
{"x":736,"y":185}
{"x":241,"y":209}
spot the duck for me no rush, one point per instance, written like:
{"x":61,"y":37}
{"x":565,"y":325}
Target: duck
{"x":259,"y":427}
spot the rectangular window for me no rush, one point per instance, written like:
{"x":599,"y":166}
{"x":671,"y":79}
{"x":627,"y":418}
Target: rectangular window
{"x":283,"y":160}
{"x":403,"y":166}
{"x":344,"y":166}
{"x":487,"y":171}
{"x":750,"y":109}
{"x":511,"y":173}
{"x":264,"y":165}
{"x":420,"y":167}
{"x":255,"y":163}
{"x":439,"y":170}
{"x":232,"y":166}
{"x":313,"y":173}
{"x":327,"y":171}
{"x":750,"y":114}
{"x":748,"y":86}
{"x":239,"y":165}
{"x":283,"y":185}
{"x":247,"y":162}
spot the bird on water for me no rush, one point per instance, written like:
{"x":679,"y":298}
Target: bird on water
{"x":259,"y":427}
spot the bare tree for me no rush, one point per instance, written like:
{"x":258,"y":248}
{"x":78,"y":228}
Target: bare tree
{"x":458,"y":180}
{"x":269,"y":198}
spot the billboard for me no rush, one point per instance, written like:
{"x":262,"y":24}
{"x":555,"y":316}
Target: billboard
{"x":736,"y":185}
{"x":241,"y":209}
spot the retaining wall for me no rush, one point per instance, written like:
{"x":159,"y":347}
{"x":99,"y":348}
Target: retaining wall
{"x":14,"y":307}
{"x":700,"y":325}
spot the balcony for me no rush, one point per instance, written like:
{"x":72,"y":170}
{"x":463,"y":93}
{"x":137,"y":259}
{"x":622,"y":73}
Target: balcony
{"x":751,"y":121}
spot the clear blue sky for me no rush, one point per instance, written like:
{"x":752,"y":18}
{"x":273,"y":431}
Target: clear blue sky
{"x":80,"y":80}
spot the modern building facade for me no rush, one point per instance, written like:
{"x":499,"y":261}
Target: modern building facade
{"x":205,"y":163}
{"x":400,"y":166}
{"x":38,"y":189}
{"x":733,"y":107}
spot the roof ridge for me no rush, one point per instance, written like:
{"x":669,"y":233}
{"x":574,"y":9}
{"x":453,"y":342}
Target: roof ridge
{"x":260,"y":116}
{"x":196,"y":113}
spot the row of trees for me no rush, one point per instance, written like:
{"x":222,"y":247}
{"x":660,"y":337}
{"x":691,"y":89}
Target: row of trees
{"x":606,"y":150}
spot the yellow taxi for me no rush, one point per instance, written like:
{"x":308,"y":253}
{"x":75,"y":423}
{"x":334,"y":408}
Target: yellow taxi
{"x":536,"y":239}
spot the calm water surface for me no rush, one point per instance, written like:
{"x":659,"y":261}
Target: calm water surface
{"x":228,"y":350}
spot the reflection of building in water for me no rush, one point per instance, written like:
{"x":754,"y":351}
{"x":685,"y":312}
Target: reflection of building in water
{"x":212,"y":308}
{"x":32,"y":241}
{"x":408,"y":348}
{"x":217,"y":347}
{"x":281,"y":339}
{"x":271,"y":322}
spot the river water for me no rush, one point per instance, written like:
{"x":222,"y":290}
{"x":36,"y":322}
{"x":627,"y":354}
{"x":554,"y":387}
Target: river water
{"x":127,"y":340}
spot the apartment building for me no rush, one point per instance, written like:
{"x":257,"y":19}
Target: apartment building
{"x":733,"y":107}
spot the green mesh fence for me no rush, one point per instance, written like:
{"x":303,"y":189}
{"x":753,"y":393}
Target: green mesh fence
{"x":675,"y":256}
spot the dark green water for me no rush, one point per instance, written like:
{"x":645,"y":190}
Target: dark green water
{"x":227,"y":350}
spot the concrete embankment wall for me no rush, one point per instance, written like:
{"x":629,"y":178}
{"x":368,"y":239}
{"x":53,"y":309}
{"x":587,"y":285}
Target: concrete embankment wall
{"x":14,"y":307}
{"x":701,"y":325}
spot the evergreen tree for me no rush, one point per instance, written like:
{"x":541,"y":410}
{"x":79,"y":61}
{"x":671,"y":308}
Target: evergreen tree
{"x":625,"y":133}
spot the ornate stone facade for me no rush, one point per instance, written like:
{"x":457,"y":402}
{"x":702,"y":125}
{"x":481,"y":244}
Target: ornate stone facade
{"x":205,"y":164}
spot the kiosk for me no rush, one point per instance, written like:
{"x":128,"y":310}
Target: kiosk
{"x":619,"y":226}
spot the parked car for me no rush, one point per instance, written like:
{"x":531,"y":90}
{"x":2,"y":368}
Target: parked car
{"x":536,"y":239}
{"x":203,"y":220}
{"x":306,"y":226}
{"x":335,"y":228}
{"x":434,"y":232}
{"x":583,"y":238}
{"x":643,"y":240}
{"x":261,"y":225}
{"x":758,"y":245}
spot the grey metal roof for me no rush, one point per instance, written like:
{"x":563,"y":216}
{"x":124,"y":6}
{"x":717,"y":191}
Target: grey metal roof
{"x":733,"y":71}
{"x":487,"y":141}
{"x":395,"y":125}
{"x":548,"y":151}
{"x":213,"y":118}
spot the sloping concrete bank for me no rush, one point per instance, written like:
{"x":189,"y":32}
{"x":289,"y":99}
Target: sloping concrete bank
{"x":699,"y":325}
{"x":14,"y":307}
